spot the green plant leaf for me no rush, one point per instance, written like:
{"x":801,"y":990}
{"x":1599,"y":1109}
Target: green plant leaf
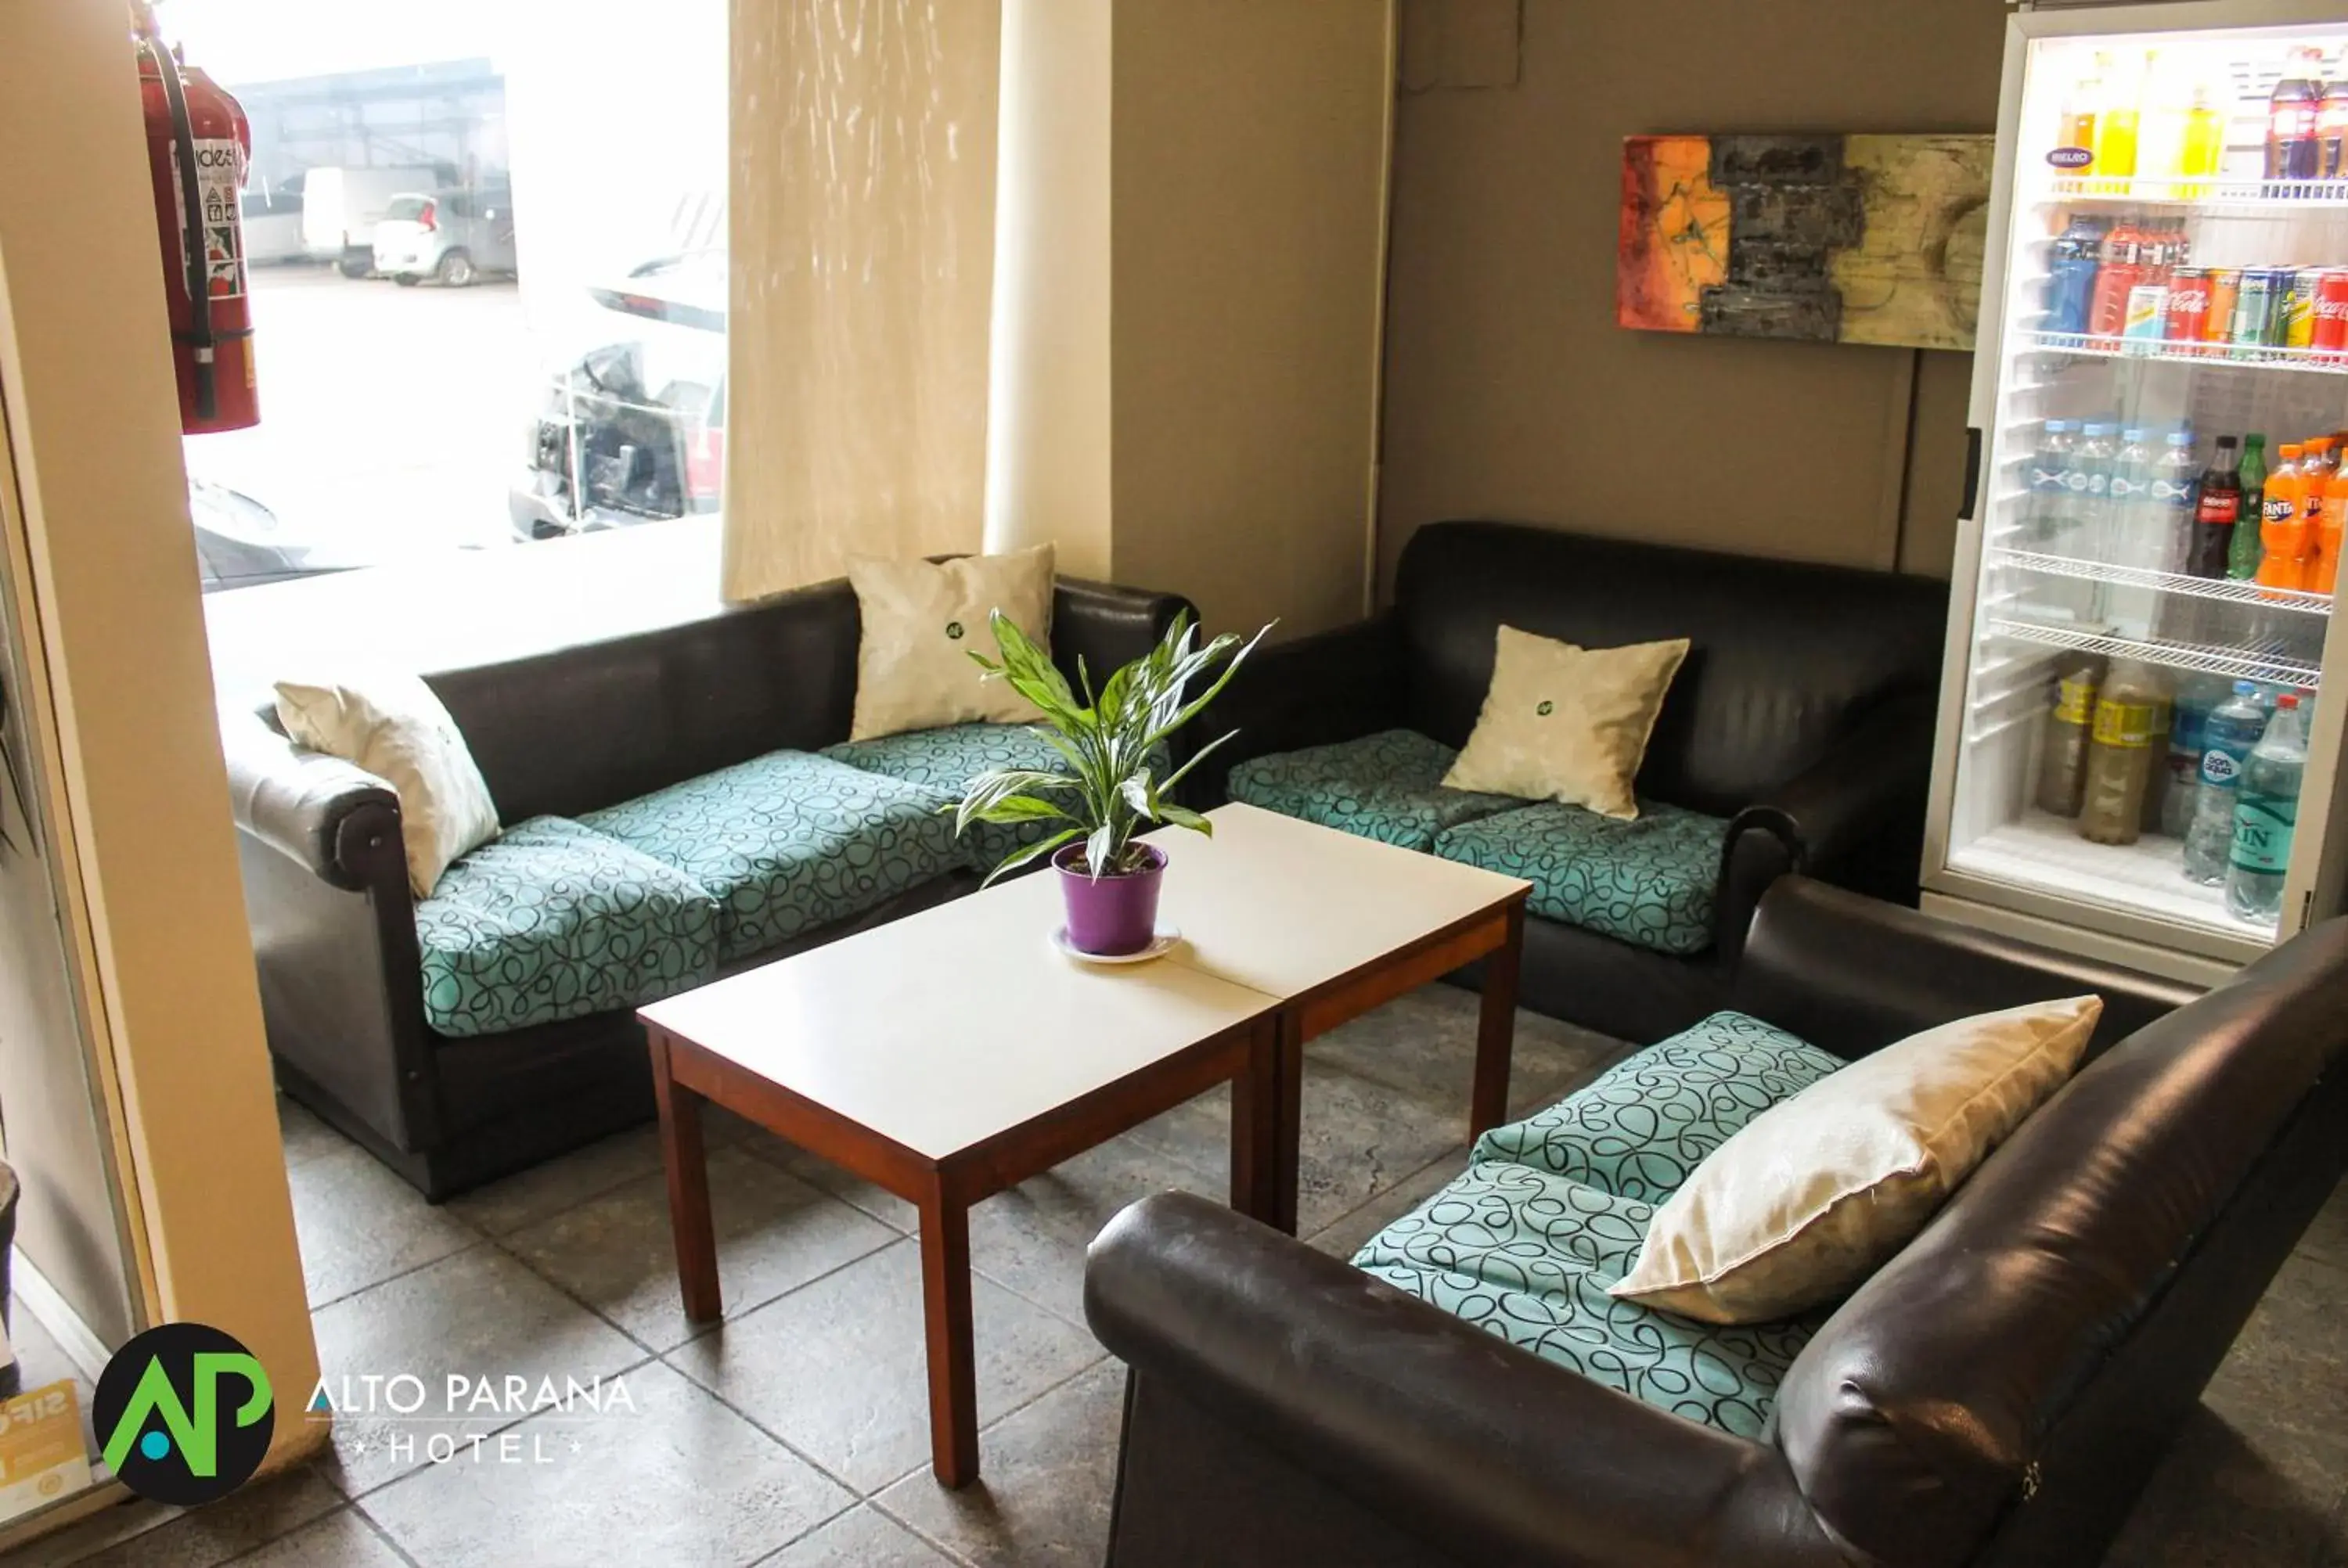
{"x":1183,"y":817}
{"x":1019,"y":857}
{"x":1018,"y":808}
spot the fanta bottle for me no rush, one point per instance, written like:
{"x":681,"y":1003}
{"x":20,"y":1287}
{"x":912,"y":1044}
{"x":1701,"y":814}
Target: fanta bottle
{"x":2323,"y":570}
{"x":2282,"y":529}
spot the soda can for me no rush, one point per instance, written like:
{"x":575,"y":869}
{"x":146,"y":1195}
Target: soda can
{"x":2297,"y":327}
{"x":2328,"y":335}
{"x":2187,"y":320}
{"x":2225,"y":285}
{"x":2147,"y":308}
{"x":2257,"y":311}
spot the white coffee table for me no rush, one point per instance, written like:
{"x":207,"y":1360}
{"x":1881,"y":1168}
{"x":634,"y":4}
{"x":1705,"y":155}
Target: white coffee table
{"x":953,"y":1055}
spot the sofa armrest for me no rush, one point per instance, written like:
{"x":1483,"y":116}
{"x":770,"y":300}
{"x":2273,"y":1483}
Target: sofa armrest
{"x":1851,"y":974}
{"x":1334,"y":685}
{"x":1452,"y":1434}
{"x":332,"y":816}
{"x":1107,"y":625}
{"x":1859,"y":804}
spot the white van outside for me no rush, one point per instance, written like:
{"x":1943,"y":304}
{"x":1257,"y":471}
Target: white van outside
{"x":341,"y":206}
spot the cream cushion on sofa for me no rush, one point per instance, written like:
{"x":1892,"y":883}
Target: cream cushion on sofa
{"x":392,"y":726}
{"x":1567,"y":723}
{"x":923,"y":620}
{"x":1818,"y":1192}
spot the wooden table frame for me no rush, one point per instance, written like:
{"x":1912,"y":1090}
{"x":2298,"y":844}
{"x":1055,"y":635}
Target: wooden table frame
{"x":685,"y":1076}
{"x":1496,"y":935}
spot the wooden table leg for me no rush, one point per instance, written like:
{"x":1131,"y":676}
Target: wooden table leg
{"x":688,"y":1188}
{"x":1496,"y":1028}
{"x":945,"y":1314}
{"x":1255,"y":1127}
{"x":1288,"y":1127}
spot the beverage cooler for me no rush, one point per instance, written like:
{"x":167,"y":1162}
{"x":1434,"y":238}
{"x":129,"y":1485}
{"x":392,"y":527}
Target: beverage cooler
{"x":2141,"y":722}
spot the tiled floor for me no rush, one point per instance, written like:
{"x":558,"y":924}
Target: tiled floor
{"x":795,"y":1435}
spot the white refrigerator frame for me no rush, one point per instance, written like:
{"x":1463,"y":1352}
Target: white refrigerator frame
{"x":2319,"y":866}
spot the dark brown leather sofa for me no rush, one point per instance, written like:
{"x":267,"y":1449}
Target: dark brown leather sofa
{"x":563,"y":733}
{"x":1997,"y":1394}
{"x":1804,"y":712}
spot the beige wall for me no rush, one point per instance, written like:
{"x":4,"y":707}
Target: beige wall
{"x":1510,"y":391}
{"x":98,"y":524}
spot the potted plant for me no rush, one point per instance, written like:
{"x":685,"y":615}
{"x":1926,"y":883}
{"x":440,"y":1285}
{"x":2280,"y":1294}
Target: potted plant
{"x":1115,"y":745}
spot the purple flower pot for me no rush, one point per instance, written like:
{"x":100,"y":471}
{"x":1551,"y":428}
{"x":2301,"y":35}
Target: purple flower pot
{"x":1114,"y":915}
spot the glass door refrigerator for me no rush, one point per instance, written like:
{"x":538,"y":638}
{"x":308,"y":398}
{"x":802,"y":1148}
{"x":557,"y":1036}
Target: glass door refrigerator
{"x":2140,"y":729}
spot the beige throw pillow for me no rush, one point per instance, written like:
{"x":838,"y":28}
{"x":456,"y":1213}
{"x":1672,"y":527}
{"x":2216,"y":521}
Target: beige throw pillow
{"x":393,"y":727}
{"x":922,"y":621}
{"x":1567,"y":723}
{"x":1819,"y":1191}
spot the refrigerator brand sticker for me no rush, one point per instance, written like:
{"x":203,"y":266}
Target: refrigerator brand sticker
{"x":2071,"y":157}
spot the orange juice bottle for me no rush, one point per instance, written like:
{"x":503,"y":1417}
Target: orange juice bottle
{"x":2282,"y":529}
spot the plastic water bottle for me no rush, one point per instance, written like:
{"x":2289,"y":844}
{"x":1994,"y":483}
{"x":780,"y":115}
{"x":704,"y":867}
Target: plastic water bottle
{"x":2133,"y":523}
{"x":2197,"y":697}
{"x":2228,"y":736}
{"x":2175,"y":488}
{"x":2266,"y":810}
{"x":2087,"y":488}
{"x":2050,"y":466}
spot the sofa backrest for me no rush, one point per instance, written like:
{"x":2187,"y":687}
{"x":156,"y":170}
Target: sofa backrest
{"x":1998,"y":1391}
{"x":1784,"y":656}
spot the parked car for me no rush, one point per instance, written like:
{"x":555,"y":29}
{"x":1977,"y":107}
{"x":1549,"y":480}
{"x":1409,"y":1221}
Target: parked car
{"x":341,"y":206}
{"x":239,"y":543}
{"x":634,"y":430}
{"x":271,"y":221}
{"x":449,"y":236}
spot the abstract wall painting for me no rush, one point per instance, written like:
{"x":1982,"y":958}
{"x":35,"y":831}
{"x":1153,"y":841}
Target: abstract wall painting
{"x":1831,"y":238}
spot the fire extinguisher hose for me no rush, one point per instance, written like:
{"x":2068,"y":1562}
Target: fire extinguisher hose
{"x":191,"y":214}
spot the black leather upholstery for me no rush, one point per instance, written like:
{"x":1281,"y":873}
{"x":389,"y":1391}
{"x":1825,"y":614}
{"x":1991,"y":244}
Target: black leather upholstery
{"x":1996,"y":1395}
{"x":565,"y":731}
{"x":1805,"y":711}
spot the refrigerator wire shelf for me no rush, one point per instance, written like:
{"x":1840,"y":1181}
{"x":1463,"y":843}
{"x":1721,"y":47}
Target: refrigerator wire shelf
{"x":2147,"y":877}
{"x":2231,"y":590}
{"x":2200,"y":191}
{"x":2206,"y":356}
{"x":2237,"y":664}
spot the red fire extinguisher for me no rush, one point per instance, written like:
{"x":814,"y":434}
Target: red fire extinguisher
{"x":197,"y":143}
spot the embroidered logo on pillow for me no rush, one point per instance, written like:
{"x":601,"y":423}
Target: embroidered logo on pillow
{"x":1546,"y":708}
{"x":953,"y":630}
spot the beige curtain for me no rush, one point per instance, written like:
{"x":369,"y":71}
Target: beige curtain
{"x":862,"y":212}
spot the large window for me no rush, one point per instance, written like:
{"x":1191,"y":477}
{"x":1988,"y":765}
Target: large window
{"x":485,"y":264}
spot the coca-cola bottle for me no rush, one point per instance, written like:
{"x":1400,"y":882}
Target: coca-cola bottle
{"x":2293,"y":150}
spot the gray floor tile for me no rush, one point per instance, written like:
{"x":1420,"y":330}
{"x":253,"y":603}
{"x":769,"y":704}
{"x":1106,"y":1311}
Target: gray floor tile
{"x":359,"y":1224}
{"x":479,"y":1314}
{"x":2327,"y":1237}
{"x":1046,"y":1477}
{"x":1359,"y":1138}
{"x":1031,"y":1238}
{"x":1425,"y":1045}
{"x":2220,"y":1500}
{"x":1345,"y":1237}
{"x":541,"y":1192}
{"x":141,"y":1534}
{"x":680,"y":1479}
{"x":861,"y":1538}
{"x":2284,"y":1386}
{"x":341,"y":1540}
{"x":837,"y":1368}
{"x":617,"y":1253}
{"x":304,"y":1136}
{"x":817,"y":1171}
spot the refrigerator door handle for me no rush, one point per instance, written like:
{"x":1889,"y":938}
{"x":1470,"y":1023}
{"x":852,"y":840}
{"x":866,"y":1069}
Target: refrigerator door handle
{"x":1972,"y":472}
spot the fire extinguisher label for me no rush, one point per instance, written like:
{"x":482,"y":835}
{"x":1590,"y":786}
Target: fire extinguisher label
{"x":217,"y":160}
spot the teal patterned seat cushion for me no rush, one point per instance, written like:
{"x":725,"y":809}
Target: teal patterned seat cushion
{"x":789,"y":842}
{"x":552,"y":920}
{"x":941,"y":762}
{"x":1388,"y":786}
{"x":1649,"y":881}
{"x":1641,"y":1127}
{"x":1528,"y":1255}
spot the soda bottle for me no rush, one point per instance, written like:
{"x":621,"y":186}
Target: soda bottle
{"x":2071,"y":276}
{"x":2062,"y":749}
{"x":2120,"y":270}
{"x":2176,"y":487}
{"x":2088,"y":525}
{"x":2323,"y":565}
{"x":2129,"y":717}
{"x":2216,"y":508}
{"x":2115,"y":126}
{"x":2332,"y":131}
{"x":2227,"y":737}
{"x":2293,"y":153}
{"x":2078,"y":127}
{"x":2266,"y":811}
{"x":2282,"y":536}
{"x":2242,"y":556}
{"x":2050,"y":466}
{"x":2202,"y":140}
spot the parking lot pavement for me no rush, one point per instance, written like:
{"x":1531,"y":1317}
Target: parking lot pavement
{"x":391,"y":418}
